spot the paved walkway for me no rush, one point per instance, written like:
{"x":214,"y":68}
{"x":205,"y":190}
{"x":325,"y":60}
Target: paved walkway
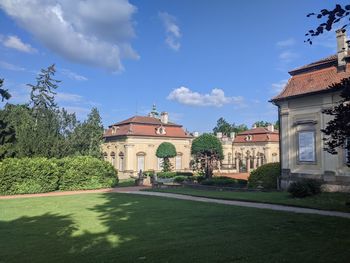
{"x":247,"y":204}
{"x":136,"y":191}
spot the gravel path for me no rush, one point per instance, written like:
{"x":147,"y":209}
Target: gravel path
{"x":247,"y":204}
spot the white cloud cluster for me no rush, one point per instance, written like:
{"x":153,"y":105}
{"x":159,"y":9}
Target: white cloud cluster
{"x":288,"y":56}
{"x":96,"y":33}
{"x":215,"y":98}
{"x":15,"y":42}
{"x":173,"y":33}
{"x":72,"y":75}
{"x":279,"y":86}
{"x":286,"y":43}
{"x":9,"y":66}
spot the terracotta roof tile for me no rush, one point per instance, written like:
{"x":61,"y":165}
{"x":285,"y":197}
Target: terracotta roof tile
{"x":259,"y":134}
{"x":307,"y":79}
{"x":145,"y":120}
{"x":145,"y":126}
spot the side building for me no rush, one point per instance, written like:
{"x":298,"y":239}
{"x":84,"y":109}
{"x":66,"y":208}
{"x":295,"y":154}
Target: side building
{"x":250,"y":149}
{"x":131,"y":145}
{"x":308,"y":92}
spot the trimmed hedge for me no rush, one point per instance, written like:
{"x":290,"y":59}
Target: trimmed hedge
{"x":40,"y":175}
{"x":304,"y":188}
{"x":265,"y":176}
{"x":28,"y":176}
{"x":173,"y":174}
{"x":224,"y":182}
{"x":85,"y":172}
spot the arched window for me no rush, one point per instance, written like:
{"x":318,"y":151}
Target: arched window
{"x":160,"y":163}
{"x":178,"y":161}
{"x":121,"y":161}
{"x":229,"y":158}
{"x":105,"y":156}
{"x":140,"y":161}
{"x":113,"y":158}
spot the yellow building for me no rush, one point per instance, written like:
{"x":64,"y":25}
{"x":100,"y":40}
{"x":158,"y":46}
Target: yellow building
{"x":249,"y":149}
{"x":131,"y":145}
{"x":307,"y":93}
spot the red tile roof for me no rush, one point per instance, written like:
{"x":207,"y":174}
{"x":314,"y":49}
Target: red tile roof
{"x":313,"y":78}
{"x":259,"y":134}
{"x":145,"y":126}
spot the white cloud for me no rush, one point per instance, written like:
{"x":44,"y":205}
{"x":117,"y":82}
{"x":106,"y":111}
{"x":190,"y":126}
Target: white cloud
{"x":95,"y":33}
{"x":68,"y":97}
{"x":173,"y":33}
{"x":215,"y":98}
{"x":286,"y":43}
{"x":15,"y":42}
{"x":9,"y":66}
{"x":288,"y":56}
{"x":278,"y":86}
{"x":72,"y":75}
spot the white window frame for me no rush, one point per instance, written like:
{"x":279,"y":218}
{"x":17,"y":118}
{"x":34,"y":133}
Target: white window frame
{"x":312,"y":160}
{"x":178,"y":164}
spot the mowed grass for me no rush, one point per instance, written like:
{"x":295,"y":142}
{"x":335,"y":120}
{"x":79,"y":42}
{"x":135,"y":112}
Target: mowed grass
{"x":323,"y":201}
{"x":129,"y":228}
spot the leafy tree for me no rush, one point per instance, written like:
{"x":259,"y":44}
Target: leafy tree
{"x":5,"y":95}
{"x":337,"y":130}
{"x":7,"y":135}
{"x":262,"y":123}
{"x":207,"y":152}
{"x":333,"y":16}
{"x":166,"y":150}
{"x":88,"y":135}
{"x":226,"y":128}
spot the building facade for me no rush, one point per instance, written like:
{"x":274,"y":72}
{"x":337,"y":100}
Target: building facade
{"x":307,"y":93}
{"x":131,"y":145}
{"x":250,"y":149}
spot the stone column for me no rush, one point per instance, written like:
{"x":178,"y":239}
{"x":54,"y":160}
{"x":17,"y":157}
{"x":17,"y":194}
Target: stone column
{"x":259,"y":159}
{"x":129,"y":158}
{"x":248,"y":162}
{"x":237,"y":163}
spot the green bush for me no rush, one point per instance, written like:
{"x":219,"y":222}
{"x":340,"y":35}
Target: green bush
{"x":304,"y":188}
{"x":180,"y":179}
{"x":265,"y":176}
{"x":39,"y":175}
{"x":224,"y":182}
{"x":28,"y":176}
{"x":85,"y":172}
{"x":173,"y":174}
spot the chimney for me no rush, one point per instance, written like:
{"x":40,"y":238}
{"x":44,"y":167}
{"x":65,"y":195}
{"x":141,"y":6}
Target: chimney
{"x":342,"y":49}
{"x":195,"y":134}
{"x":271,"y":128}
{"x":219,"y":135}
{"x":232,"y":135}
{"x":254,"y":126}
{"x":164,"y":117}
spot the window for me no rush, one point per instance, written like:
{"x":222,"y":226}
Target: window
{"x":140,"y":161}
{"x":178,"y":162}
{"x":306,"y":147}
{"x":347,"y":151}
{"x":105,"y":156}
{"x":113,"y":158}
{"x":274,"y":158}
{"x":160,"y":163}
{"x":121,"y":161}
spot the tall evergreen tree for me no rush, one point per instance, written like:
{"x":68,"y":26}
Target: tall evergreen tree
{"x":42,"y":94}
{"x":4,"y":94}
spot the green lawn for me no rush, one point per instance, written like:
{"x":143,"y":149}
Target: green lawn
{"x":127,"y":228}
{"x":324,"y":201}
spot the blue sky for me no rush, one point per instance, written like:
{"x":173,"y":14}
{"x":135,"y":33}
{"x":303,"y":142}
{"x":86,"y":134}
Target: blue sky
{"x":198,"y":60}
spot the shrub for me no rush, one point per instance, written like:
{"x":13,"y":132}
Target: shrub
{"x":85,"y":172}
{"x":265,"y":176}
{"x":304,"y":188}
{"x":200,"y":178}
{"x":224,"y":181}
{"x":28,"y":176}
{"x":180,"y":179}
{"x":173,"y":174}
